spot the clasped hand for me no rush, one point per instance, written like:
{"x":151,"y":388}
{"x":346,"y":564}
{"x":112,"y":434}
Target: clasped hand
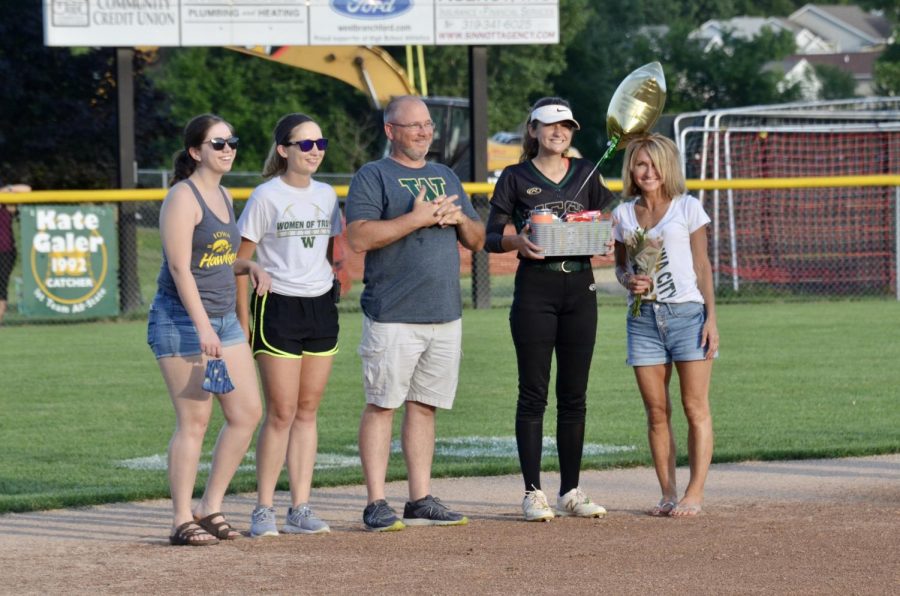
{"x":442,"y":211}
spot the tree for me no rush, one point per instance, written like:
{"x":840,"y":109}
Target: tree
{"x":887,"y":71}
{"x":836,"y":84}
{"x":252,"y":94}
{"x":58,"y":108}
{"x":726,"y":76}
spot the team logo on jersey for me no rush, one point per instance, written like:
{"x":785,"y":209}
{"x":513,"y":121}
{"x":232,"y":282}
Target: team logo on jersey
{"x":534,"y":190}
{"x":434,"y":187}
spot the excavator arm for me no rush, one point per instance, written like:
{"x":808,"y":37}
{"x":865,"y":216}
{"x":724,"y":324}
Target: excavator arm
{"x":367,"y":68}
{"x":373,"y":71}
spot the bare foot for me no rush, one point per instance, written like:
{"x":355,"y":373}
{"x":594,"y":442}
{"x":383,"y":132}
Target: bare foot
{"x":686,"y":508}
{"x":663,"y":508}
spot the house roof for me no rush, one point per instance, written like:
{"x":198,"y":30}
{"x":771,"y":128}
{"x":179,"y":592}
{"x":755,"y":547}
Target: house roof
{"x":744,"y":27}
{"x":855,"y":63}
{"x":875,"y":27}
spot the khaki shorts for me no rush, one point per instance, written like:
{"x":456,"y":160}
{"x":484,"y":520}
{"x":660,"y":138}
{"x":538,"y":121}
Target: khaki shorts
{"x":410,"y":362}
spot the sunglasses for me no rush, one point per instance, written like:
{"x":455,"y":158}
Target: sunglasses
{"x":219,"y":143}
{"x":307,"y":144}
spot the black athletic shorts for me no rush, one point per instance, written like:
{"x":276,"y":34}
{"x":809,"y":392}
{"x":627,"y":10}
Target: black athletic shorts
{"x":293,"y":327}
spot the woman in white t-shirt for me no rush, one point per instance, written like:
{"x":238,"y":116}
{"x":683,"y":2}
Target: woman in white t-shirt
{"x":290,"y":221}
{"x":674,"y":319}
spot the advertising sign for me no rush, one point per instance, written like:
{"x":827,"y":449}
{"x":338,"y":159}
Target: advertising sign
{"x":70,"y":261}
{"x":509,"y":22}
{"x":356,"y":22}
{"x":127,"y":23}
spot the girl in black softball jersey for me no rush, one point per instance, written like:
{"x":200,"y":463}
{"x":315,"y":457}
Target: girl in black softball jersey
{"x":554,"y":307}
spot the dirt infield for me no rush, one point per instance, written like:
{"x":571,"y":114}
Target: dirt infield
{"x":798,"y":527}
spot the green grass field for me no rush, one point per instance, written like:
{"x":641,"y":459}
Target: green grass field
{"x":85,"y":418}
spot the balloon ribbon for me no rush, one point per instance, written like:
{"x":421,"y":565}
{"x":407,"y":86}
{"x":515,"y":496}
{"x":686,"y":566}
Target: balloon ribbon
{"x":610,"y":149}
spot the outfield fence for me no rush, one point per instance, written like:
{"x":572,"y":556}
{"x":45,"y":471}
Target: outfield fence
{"x":808,"y":239}
{"x":838,"y":234}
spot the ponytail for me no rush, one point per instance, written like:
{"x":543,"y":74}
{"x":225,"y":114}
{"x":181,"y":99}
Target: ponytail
{"x":194,"y":134}
{"x":182,"y":167}
{"x":275,"y":164}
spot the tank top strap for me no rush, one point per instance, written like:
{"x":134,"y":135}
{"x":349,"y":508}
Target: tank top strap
{"x":204,"y":207}
{"x":227,"y":203}
{"x":197,"y":195}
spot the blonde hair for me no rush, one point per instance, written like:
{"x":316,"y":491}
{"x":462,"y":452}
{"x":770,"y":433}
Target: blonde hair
{"x":664,"y":157}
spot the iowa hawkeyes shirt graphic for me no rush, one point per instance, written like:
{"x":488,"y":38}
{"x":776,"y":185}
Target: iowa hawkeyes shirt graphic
{"x":221,"y":252}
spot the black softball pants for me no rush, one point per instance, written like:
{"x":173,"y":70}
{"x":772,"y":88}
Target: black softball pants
{"x":552,"y":311}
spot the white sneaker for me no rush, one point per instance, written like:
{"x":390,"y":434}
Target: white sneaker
{"x":576,"y":503}
{"x":535,"y":506}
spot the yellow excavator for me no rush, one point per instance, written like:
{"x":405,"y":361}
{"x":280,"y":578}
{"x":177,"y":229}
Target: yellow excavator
{"x":374,"y":72}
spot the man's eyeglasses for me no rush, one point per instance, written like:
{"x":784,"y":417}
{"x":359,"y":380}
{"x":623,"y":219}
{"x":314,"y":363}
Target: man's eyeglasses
{"x":219,"y":143}
{"x":427,"y":125}
{"x":307,"y":144}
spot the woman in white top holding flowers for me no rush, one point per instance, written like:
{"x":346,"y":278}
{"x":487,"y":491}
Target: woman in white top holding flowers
{"x":674,"y":315}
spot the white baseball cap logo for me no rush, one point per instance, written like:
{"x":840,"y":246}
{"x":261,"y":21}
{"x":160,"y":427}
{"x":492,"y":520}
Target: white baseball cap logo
{"x":554,"y":113}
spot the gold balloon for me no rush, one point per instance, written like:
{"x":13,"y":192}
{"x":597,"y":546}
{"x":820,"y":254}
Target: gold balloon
{"x":637,"y":104}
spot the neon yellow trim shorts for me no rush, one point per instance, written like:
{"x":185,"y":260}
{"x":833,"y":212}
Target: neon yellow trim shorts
{"x":294,"y":326}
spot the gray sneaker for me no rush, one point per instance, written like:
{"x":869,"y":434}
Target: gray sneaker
{"x":301,"y":520}
{"x":379,"y":517}
{"x":429,"y":511}
{"x":262,"y":522}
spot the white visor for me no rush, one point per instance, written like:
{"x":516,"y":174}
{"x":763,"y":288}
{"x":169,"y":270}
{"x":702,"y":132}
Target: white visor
{"x":554,"y":113}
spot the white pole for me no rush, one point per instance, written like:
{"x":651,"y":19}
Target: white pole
{"x":731,"y":226}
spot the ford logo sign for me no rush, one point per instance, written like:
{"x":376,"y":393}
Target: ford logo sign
{"x":371,"y":9}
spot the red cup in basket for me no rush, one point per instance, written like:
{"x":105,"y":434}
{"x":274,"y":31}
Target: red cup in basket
{"x":541,"y":216}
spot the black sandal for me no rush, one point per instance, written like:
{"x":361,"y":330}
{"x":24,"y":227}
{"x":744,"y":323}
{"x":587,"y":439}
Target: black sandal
{"x":220,"y":529}
{"x":189,"y":534}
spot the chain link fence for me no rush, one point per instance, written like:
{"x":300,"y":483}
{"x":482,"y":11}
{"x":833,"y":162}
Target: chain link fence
{"x":805,"y":240}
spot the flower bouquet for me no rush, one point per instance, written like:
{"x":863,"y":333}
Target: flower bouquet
{"x":644,"y":250}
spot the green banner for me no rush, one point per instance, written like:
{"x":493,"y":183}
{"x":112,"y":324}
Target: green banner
{"x":70,"y":261}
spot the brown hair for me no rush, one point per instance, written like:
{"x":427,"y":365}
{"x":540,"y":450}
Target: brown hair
{"x":194,"y":134}
{"x":530,"y":144}
{"x":276,"y":165}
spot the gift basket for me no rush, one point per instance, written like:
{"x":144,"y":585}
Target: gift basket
{"x":580,"y":234}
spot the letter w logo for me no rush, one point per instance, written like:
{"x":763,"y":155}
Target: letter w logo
{"x":434,"y":187}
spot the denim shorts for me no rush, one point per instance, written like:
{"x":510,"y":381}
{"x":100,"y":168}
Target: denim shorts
{"x":171,"y":332}
{"x":665,"y":333}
